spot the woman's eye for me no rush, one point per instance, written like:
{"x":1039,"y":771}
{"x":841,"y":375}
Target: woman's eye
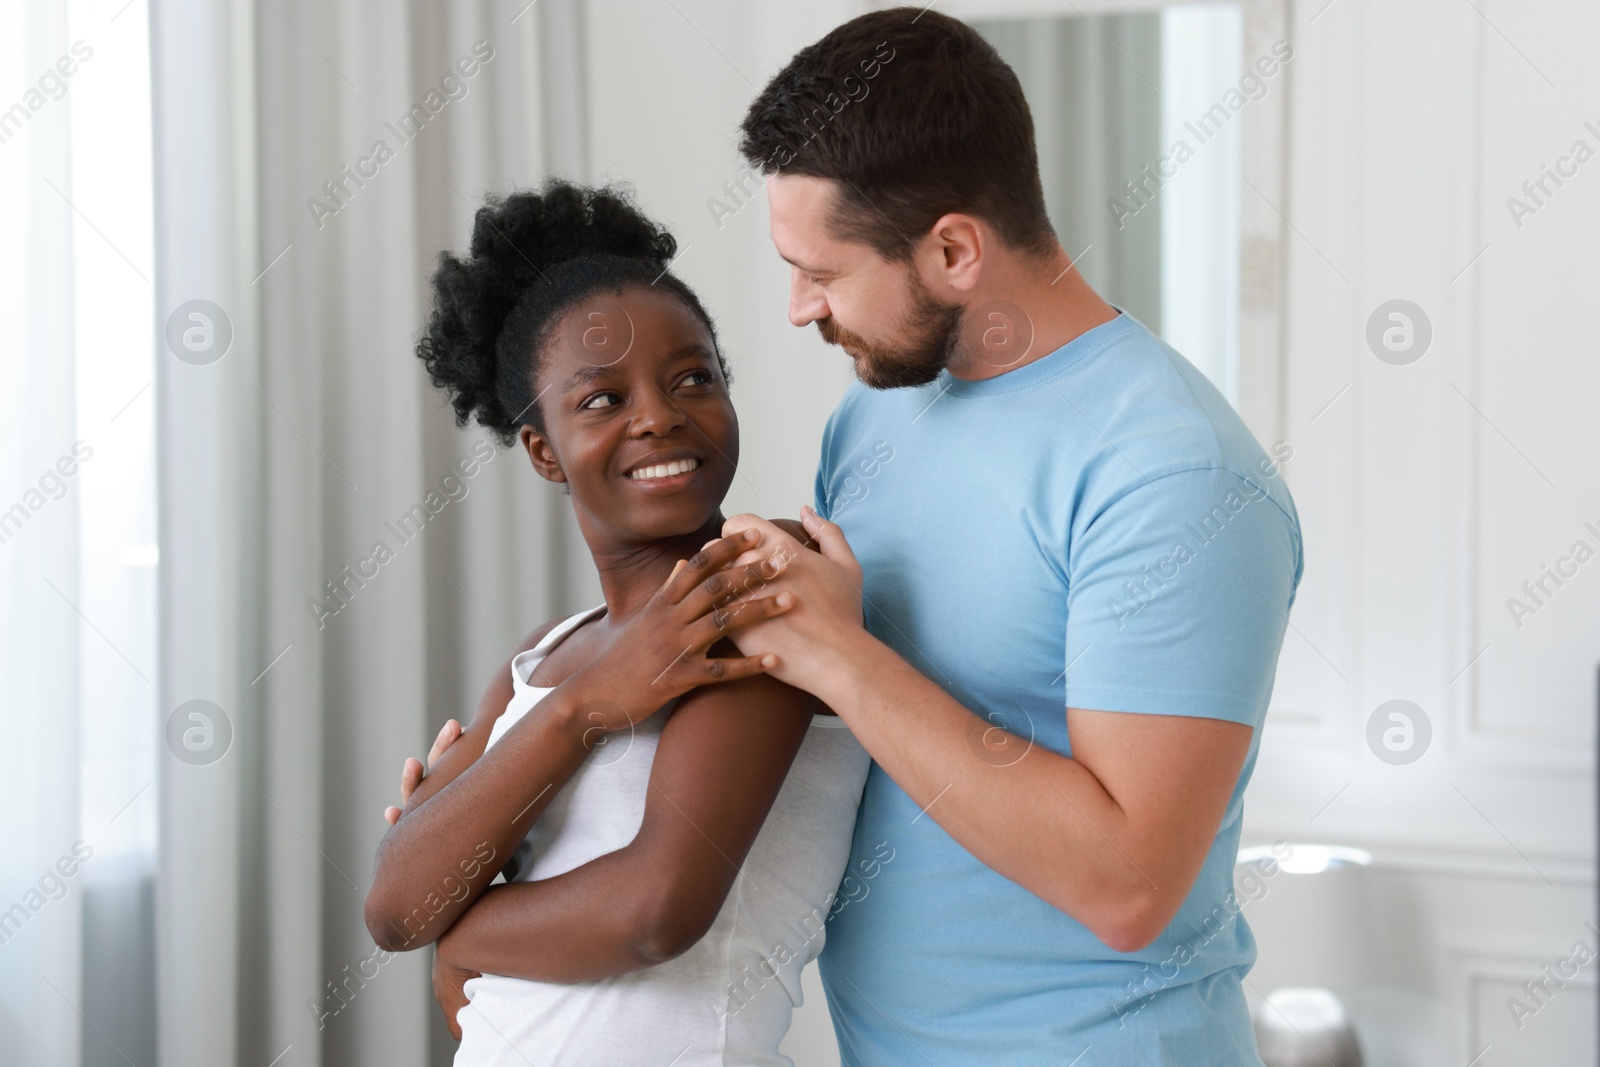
{"x":698,"y":377}
{"x":601,"y":400}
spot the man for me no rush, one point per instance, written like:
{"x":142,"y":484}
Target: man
{"x":1040,"y":507}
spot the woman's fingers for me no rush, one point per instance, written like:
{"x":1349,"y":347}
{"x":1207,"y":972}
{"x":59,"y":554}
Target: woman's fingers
{"x":693,"y":668}
{"x":412,"y":773}
{"x":735,"y":586}
{"x":410,"y":778}
{"x":706,"y":562}
{"x":449,"y":990}
{"x":449,"y":733}
{"x":710,"y":598}
{"x":713,"y":671}
{"x":720,"y":622}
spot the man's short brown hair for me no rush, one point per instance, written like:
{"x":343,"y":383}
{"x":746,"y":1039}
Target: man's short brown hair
{"x":915,"y":115}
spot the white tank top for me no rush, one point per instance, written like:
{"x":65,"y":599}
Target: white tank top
{"x":728,"y":1000}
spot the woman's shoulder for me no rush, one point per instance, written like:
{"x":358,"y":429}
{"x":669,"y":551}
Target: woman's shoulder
{"x":561,"y":623}
{"x":502,"y":686}
{"x":539,"y":633}
{"x":763,"y":691}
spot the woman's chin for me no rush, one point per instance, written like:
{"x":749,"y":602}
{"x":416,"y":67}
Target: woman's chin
{"x":677,"y":520}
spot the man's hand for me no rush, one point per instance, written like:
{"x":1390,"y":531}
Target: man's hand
{"x":449,"y":982}
{"x":412,"y":772}
{"x":826,"y":617}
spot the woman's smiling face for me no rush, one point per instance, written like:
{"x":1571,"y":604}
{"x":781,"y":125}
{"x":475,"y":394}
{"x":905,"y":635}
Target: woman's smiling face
{"x":637,"y":417}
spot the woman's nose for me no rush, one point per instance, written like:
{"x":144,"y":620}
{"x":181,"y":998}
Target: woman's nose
{"x":657,"y":415}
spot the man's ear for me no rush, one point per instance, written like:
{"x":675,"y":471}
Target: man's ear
{"x":539,"y":452}
{"x":956,"y":245}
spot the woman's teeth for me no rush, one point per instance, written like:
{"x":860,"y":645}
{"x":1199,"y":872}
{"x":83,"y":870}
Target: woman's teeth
{"x":665,"y":470}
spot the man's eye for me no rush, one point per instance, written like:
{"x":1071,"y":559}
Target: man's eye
{"x":601,"y":400}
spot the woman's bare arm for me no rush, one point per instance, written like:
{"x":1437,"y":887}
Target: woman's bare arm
{"x":721,"y":760}
{"x":463,"y":822}
{"x":410,"y":905}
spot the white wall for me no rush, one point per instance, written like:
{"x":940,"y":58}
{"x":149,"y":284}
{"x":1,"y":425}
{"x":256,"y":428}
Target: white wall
{"x":1430,"y":491}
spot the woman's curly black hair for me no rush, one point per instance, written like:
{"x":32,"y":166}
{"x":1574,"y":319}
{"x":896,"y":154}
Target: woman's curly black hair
{"x":534,"y":255}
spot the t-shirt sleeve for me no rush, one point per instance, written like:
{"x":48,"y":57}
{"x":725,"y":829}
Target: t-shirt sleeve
{"x":1178,"y":598}
{"x":819,"y":490}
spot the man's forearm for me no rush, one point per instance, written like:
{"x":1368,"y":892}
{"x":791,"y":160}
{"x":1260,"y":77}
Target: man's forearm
{"x":1038,"y":818}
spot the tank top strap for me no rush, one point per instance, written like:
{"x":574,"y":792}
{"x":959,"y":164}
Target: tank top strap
{"x":526,"y":662}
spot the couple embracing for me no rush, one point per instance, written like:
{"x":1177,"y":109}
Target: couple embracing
{"x":921,"y":727}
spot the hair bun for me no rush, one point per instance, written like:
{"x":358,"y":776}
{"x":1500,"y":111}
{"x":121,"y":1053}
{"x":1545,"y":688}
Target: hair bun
{"x":551,"y":246}
{"x":526,"y":234}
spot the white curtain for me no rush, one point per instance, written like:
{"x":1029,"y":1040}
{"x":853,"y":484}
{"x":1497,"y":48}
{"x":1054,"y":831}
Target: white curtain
{"x":77,"y":657}
{"x":216,"y":695}
{"x":40,"y":977}
{"x":312,"y":158}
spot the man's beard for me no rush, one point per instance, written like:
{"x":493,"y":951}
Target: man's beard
{"x":917,"y":360}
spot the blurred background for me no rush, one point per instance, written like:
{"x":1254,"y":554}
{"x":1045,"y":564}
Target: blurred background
{"x":1372,"y":223}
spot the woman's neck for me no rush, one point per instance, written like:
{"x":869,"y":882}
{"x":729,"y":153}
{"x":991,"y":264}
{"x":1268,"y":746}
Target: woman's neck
{"x":630,"y":575}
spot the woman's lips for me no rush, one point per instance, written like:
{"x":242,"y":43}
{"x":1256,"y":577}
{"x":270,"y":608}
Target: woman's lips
{"x":665,"y":477}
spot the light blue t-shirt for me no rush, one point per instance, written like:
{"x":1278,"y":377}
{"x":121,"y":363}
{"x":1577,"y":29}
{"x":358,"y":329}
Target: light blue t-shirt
{"x":1096,"y":529}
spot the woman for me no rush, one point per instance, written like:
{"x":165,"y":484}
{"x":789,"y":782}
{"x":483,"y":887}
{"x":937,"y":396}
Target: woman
{"x":682,"y":841}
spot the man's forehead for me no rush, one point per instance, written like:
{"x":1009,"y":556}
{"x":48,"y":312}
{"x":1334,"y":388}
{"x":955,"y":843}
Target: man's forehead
{"x":798,"y":210}
{"x":799,"y":201}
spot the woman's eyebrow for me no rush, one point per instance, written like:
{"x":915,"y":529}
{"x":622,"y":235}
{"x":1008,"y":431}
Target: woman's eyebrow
{"x":587,"y":374}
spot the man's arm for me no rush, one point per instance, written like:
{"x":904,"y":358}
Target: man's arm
{"x":1116,"y":834}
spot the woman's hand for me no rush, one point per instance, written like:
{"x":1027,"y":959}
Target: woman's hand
{"x":412,"y":772}
{"x":660,"y":653}
{"x":449,"y":982}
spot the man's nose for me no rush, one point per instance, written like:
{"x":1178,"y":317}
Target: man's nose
{"x":807,"y":303}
